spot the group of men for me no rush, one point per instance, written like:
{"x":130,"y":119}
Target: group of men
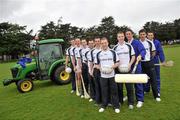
{"x":89,"y":60}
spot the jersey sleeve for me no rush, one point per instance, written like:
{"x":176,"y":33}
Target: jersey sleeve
{"x":117,"y":58}
{"x":67,"y":52}
{"x":132,"y":51}
{"x":78,"y":53}
{"x":91,"y":56}
{"x":96,"y":59}
{"x":153,"y":46}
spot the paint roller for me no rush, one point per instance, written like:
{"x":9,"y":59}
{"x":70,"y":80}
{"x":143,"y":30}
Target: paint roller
{"x":131,"y":78}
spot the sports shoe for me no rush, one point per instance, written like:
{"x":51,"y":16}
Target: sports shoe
{"x":125,"y":98}
{"x":72,"y":91}
{"x":82,"y":96}
{"x":117,"y":110}
{"x":90,"y":100}
{"x":131,"y":107}
{"x":101,"y":110}
{"x":158,"y":99}
{"x":139,"y":104}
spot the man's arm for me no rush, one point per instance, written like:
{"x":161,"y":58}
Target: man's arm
{"x":160,"y":53}
{"x":142,"y":51}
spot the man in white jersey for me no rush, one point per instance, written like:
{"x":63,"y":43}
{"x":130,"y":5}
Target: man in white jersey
{"x":69,"y":54}
{"x":94,"y":71}
{"x":108,"y":57}
{"x":90,"y":77}
{"x":83,"y":52}
{"x":126,"y":55}
{"x":148,"y":64}
{"x":77,"y":65}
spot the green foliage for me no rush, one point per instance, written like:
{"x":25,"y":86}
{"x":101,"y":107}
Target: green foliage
{"x":166,"y":31}
{"x":14,"y":39}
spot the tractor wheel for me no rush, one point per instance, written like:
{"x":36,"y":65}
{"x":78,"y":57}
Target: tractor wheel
{"x":60,"y":76}
{"x":24,"y":85}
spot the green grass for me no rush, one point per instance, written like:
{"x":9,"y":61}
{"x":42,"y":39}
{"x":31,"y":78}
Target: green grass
{"x":48,"y":101}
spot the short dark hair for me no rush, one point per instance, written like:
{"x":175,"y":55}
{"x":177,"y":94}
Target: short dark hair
{"x":105,"y":38}
{"x":90,"y":40}
{"x":129,"y":30}
{"x":150,"y":32}
{"x":142,"y":30}
{"x":97,"y":37}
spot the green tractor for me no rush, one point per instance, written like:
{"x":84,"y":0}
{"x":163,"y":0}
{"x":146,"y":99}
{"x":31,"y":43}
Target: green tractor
{"x":48,"y":64}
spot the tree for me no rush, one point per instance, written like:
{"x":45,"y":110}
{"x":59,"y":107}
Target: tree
{"x":14,"y":40}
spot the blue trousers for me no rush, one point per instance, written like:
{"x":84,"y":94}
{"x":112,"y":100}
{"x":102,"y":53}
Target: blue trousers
{"x":139,"y":86}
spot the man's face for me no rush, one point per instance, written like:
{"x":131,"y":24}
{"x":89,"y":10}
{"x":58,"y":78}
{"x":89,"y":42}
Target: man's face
{"x":91,"y":44}
{"x":142,"y":35}
{"x":97,"y":42}
{"x":150,"y":36}
{"x":72,"y":42}
{"x":84,"y":42}
{"x":78,"y":42}
{"x":104,"y":44}
{"x":129,"y":35}
{"x":120,"y":37}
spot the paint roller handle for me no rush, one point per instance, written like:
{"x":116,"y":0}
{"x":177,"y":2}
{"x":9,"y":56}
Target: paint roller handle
{"x":137,"y":61}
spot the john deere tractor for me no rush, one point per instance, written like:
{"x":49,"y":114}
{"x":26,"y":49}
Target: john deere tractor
{"x":48,"y":64}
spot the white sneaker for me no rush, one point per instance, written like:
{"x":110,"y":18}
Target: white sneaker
{"x":78,"y":94}
{"x":125,"y":98}
{"x":139,"y":104}
{"x":90,"y":100}
{"x":117,"y":110}
{"x":72,"y":91}
{"x":131,"y":107}
{"x":109,"y":104}
{"x":158,"y":99}
{"x":101,"y":110}
{"x":82,"y":96}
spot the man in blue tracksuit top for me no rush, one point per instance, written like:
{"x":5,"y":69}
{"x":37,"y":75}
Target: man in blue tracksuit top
{"x":159,"y":56}
{"x":140,"y":53}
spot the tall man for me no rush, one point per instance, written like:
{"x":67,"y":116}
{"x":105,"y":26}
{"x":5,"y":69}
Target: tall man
{"x":83,"y":52}
{"x":69,"y":54}
{"x":140,"y":54}
{"x":90,"y":77}
{"x":126,"y":55}
{"x":77,"y":65}
{"x":94,"y":71}
{"x":158,"y":57}
{"x":148,"y":64}
{"x":109,"y":58}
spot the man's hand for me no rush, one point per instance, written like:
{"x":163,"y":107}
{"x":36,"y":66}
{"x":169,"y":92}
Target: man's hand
{"x":75,"y":69}
{"x":163,"y":63}
{"x":139,"y":58}
{"x":129,"y":67}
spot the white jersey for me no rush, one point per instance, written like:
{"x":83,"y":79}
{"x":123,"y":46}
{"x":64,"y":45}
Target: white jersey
{"x":88,"y":58}
{"x":76,"y":53}
{"x":69,"y":52}
{"x":83,"y":53}
{"x":124,"y":53}
{"x":107,"y":58}
{"x":149,"y":46}
{"x":93,"y":55}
